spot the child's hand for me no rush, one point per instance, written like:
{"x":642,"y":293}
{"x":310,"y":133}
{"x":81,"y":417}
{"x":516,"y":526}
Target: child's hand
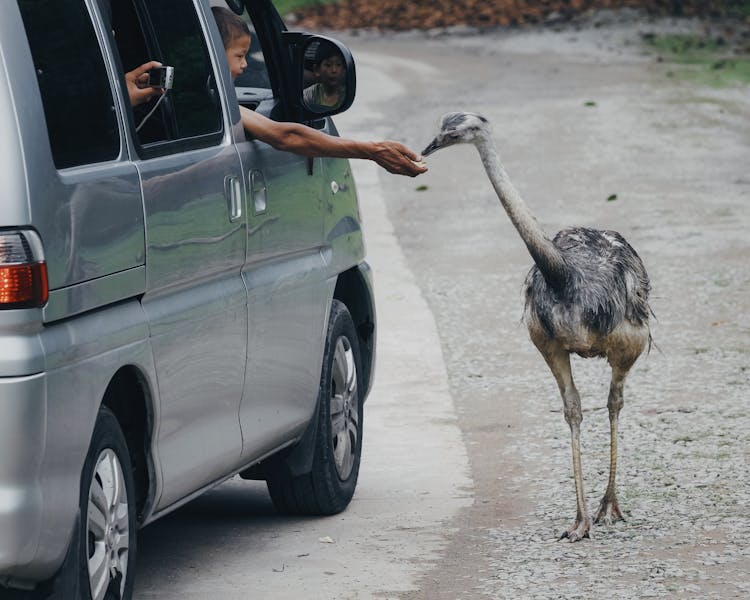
{"x":137,"y":83}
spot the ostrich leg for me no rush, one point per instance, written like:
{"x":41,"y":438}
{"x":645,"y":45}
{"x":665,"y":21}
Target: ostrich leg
{"x":572,"y":405}
{"x":609,"y":510}
{"x":558,"y":360}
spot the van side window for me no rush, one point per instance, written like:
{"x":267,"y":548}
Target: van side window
{"x":194,"y":96}
{"x":75,"y":90}
{"x":169,"y":31}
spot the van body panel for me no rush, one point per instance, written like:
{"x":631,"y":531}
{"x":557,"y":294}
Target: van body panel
{"x":342,"y":227}
{"x":46,"y":422}
{"x":91,"y":223}
{"x":287,"y":297}
{"x":86,"y":296}
{"x":22,"y":415}
{"x":287,"y":302}
{"x":21,"y":353}
{"x":196,"y":306}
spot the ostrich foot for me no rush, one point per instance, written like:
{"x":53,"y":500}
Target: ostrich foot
{"x":578,"y":530}
{"x":609,"y":511}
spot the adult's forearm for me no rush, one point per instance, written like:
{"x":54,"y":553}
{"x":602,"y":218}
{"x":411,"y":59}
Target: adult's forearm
{"x":306,"y":141}
{"x":392,"y":156}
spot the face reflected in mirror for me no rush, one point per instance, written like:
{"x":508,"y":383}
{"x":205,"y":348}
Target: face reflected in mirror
{"x":324,"y":77}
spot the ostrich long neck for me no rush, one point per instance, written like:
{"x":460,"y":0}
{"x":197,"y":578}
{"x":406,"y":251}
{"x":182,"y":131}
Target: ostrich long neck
{"x":546,"y":256}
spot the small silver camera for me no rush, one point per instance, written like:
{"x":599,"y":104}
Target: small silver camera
{"x":161,"y":77}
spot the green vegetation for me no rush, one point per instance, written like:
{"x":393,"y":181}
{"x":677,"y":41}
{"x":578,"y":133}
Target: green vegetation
{"x":738,"y":8}
{"x":287,"y":6}
{"x":704,"y":60}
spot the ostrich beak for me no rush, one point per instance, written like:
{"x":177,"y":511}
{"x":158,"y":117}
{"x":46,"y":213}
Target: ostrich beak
{"x":433,"y":146}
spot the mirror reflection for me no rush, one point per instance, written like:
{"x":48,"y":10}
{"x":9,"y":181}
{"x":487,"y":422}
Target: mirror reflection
{"x":324,"y":77}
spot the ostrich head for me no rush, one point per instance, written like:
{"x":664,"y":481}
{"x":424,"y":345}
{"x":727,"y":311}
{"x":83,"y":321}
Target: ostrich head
{"x":459,"y":128}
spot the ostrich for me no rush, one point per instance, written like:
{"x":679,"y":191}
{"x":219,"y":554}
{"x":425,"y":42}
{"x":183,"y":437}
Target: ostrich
{"x":587,"y":294}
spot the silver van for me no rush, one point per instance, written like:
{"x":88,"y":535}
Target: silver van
{"x":178,"y":303}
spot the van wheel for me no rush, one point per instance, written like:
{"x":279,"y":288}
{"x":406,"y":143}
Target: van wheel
{"x":337,"y":450}
{"x":100,"y":563}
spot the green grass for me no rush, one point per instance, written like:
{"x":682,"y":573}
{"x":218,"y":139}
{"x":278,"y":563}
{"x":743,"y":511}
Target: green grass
{"x":287,"y":6}
{"x":700,"y":59}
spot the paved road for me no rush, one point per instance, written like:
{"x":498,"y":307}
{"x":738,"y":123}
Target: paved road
{"x":466,"y":478}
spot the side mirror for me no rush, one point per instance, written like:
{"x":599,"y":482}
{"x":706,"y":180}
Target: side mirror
{"x":324,"y":76}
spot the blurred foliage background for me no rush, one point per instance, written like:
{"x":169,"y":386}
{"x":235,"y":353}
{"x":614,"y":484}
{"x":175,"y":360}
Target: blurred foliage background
{"x":428,"y":14}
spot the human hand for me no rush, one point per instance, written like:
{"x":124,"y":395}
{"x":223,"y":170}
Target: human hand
{"x":396,"y":158}
{"x":137,"y":84}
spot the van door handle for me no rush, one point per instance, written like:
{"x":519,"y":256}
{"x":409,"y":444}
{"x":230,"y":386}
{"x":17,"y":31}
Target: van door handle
{"x":258,"y":191}
{"x":233,"y":192}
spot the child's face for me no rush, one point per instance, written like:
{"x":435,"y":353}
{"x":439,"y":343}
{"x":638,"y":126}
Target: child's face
{"x":236,"y":52}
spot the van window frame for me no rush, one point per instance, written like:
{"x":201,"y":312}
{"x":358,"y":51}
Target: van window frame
{"x":268,"y":27}
{"x":167,"y":147}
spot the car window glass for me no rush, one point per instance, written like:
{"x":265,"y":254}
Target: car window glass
{"x":75,"y":89}
{"x":195,"y":101}
{"x":168,"y":31}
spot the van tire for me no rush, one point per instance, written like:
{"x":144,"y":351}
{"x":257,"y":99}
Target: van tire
{"x":107,"y":456}
{"x":328,"y":488}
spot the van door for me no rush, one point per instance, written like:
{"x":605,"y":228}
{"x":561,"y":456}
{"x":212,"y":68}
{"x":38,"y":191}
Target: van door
{"x":288,"y":298}
{"x":193,"y":196}
{"x":285,"y":274}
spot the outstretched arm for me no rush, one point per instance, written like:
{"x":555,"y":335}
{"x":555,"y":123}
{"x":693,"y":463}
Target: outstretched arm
{"x":299,"y":139}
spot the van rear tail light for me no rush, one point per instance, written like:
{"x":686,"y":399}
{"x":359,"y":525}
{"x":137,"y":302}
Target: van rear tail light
{"x":23,"y":272}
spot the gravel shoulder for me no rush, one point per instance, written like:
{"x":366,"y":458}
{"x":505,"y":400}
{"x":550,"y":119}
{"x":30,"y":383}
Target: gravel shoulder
{"x":581,"y":115}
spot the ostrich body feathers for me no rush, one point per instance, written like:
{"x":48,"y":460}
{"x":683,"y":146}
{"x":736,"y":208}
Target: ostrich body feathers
{"x":603,"y":284}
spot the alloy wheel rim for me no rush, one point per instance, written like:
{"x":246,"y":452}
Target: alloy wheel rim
{"x":344,"y":408}
{"x":107,"y":526}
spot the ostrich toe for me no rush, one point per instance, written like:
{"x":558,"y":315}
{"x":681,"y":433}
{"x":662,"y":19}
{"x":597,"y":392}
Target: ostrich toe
{"x":581,"y":528}
{"x":609,"y":511}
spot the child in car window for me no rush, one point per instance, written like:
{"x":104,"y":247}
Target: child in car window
{"x":295,"y":137}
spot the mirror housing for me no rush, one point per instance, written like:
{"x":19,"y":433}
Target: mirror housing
{"x":237,"y":6}
{"x":303,"y":47}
